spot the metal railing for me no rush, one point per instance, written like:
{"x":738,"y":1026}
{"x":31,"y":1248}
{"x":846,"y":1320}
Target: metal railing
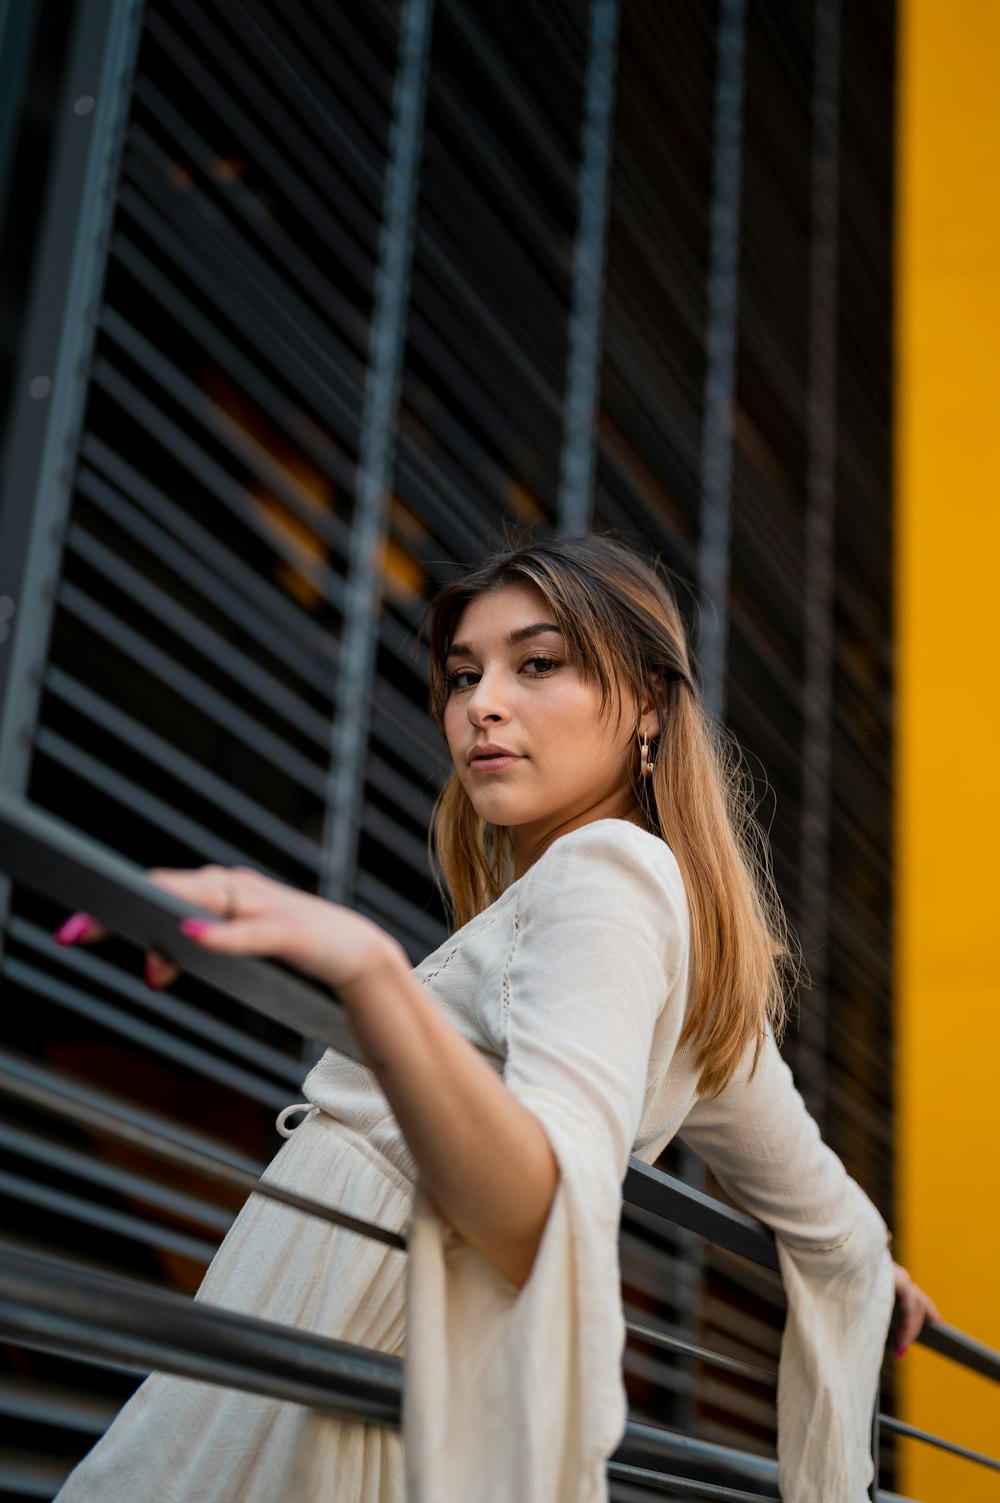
{"x":54,"y":1304}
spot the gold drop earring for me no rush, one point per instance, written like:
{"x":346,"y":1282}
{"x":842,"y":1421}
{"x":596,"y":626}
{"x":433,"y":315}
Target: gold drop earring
{"x":648,"y":761}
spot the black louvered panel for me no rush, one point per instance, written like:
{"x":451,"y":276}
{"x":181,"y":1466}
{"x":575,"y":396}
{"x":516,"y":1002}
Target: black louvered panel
{"x":652,"y":377}
{"x":482,"y":399}
{"x":860,"y":1042}
{"x":652,"y":392}
{"x":223,"y":430}
{"x":191,"y":681}
{"x":649,"y":484}
{"x":481,"y":411}
{"x":191,"y":689}
{"x":766,"y":665}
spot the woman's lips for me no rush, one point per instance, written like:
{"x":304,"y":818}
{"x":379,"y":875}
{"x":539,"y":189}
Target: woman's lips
{"x":492,"y":764}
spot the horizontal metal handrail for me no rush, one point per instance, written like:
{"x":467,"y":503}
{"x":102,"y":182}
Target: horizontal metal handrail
{"x":671,"y":1199}
{"x":50,"y":856}
{"x":56,"y":1305}
{"x":660,"y":1450}
{"x":733,"y":1365}
{"x":13,"y":1084}
{"x":913,"y":1432}
{"x":680,"y":1487}
{"x":948,"y":1341}
{"x":662,"y":1194}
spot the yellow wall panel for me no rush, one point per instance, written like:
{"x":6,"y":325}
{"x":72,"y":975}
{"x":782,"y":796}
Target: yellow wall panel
{"x":948,"y":725}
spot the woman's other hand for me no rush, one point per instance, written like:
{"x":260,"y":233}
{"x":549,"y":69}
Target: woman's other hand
{"x":325,"y":940}
{"x":914,"y":1308}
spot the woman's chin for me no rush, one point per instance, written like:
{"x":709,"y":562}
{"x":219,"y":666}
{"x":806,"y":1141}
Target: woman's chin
{"x":500,"y":808}
{"x":498,"y":811}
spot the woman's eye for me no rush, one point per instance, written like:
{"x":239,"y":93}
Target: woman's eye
{"x":543,"y":665}
{"x":452,"y":679}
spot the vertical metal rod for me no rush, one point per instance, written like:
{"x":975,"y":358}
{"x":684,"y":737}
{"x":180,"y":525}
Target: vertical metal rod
{"x":720,"y":363}
{"x":386,"y":347}
{"x":52,"y":379}
{"x":821,"y":500}
{"x":717,"y":430}
{"x":583,"y":359}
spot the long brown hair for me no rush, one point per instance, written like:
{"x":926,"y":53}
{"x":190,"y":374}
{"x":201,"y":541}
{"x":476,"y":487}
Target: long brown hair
{"x":623,"y":629}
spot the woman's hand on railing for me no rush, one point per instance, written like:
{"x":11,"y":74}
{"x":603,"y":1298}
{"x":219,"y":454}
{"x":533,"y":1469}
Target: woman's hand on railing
{"x":405,"y":1038}
{"x":914,"y":1308}
{"x":325,"y":940}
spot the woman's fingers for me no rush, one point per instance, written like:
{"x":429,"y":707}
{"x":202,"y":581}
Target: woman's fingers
{"x":914,"y":1308}
{"x":80,"y":929}
{"x":209,"y":887}
{"x":83,"y":929}
{"x":158,"y":970}
{"x":205,"y":887}
{"x":248,"y":913}
{"x":911,"y":1320}
{"x":262,"y":935}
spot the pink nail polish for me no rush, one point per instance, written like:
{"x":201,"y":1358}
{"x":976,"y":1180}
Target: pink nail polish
{"x":149,"y":970}
{"x":195,"y":927}
{"x":69,"y":932}
{"x":901,"y":1351}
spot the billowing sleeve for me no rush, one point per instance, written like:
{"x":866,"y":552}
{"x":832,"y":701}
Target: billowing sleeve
{"x":765,"y":1148}
{"x":516,"y":1396}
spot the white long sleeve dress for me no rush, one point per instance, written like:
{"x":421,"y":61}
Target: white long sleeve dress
{"x":574,"y":984}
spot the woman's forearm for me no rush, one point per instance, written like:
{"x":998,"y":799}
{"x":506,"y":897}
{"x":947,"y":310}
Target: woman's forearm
{"x":484,"y":1159}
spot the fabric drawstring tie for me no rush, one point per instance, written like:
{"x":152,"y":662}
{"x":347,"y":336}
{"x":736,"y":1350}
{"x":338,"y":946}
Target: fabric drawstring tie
{"x":297,"y":1106}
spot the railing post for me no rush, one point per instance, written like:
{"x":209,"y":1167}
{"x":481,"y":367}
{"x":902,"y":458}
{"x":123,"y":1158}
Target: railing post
{"x":721,"y":335}
{"x":373,"y":483}
{"x":583,"y":360}
{"x":820,"y":558}
{"x":721,"y":341}
{"x":51,"y":385}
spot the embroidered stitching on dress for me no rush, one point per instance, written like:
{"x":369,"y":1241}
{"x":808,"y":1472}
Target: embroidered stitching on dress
{"x":505,"y":982}
{"x":439,"y":968}
{"x":429,"y":975}
{"x":826,"y":1247}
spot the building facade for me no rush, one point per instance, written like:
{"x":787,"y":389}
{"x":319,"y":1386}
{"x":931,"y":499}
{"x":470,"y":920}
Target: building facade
{"x":305,"y":306}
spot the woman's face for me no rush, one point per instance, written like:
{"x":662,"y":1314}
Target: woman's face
{"x":512,"y":685}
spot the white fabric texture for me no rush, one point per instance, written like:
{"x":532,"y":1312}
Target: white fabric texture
{"x":179,"y":1441}
{"x":519,"y":1395}
{"x":765,"y":1149}
{"x":574,"y":985}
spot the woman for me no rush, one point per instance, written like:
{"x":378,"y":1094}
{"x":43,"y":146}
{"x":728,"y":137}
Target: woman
{"x":617,"y":975}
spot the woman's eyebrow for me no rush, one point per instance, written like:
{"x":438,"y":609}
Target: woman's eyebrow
{"x":462,"y":649}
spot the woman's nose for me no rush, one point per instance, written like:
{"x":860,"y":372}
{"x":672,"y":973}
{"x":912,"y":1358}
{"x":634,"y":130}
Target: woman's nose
{"x":485,"y":701}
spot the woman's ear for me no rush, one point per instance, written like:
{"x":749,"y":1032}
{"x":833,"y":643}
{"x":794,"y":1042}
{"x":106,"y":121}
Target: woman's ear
{"x":652,"y":705}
